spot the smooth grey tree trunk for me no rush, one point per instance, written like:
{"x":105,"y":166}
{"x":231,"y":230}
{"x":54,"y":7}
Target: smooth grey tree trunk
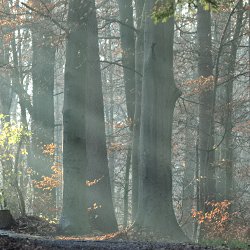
{"x":207,"y":181}
{"x":228,"y":126}
{"x":110,"y":115}
{"x":159,"y":94}
{"x":206,"y":109}
{"x":5,"y":82}
{"x":128,"y":61}
{"x":100,"y":193}
{"x":189,"y":181}
{"x":139,"y":49}
{"x":128,"y":54}
{"x":126,"y":189}
{"x":43,"y":62}
{"x":18,"y":80}
{"x":43,"y":102}
{"x":74,"y":218}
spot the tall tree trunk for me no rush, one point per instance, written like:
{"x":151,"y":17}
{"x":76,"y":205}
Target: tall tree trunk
{"x":220,"y":155}
{"x":128,"y":54}
{"x":110,"y":114}
{"x":159,"y":94}
{"x":207,"y":181}
{"x":229,"y":100}
{"x":43,"y":62}
{"x":100,"y":193}
{"x":188,"y":181}
{"x":74,"y":218}
{"x":128,"y":61}
{"x":126,"y":188}
{"x":17,"y":80}
{"x":5,"y":82}
{"x":139,"y":48}
{"x":206,"y":112}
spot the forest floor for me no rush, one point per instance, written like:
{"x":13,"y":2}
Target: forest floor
{"x":35,"y":233}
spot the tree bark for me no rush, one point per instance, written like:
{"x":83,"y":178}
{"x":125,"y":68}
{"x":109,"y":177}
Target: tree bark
{"x":100,"y":193}
{"x":74,"y":218}
{"x":43,"y":62}
{"x":138,"y":86}
{"x":85,"y":153}
{"x":189,"y":181}
{"x":159,"y":94}
{"x":126,"y":189}
{"x":128,"y":54}
{"x":5,"y":82}
{"x":228,"y":126}
{"x":206,"y":109}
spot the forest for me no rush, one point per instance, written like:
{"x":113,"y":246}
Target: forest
{"x":125,"y":120}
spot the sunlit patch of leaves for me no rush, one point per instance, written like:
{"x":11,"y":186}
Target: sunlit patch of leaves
{"x":90,"y":183}
{"x":220,"y":223}
{"x":199,"y":85}
{"x":49,"y":149}
{"x":50,"y":182}
{"x":10,"y":135}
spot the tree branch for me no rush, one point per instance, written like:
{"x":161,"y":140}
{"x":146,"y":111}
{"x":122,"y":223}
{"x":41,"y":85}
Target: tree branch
{"x":46,"y":16}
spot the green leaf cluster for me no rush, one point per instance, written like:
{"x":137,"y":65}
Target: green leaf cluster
{"x":10,"y":135}
{"x":164,"y":9}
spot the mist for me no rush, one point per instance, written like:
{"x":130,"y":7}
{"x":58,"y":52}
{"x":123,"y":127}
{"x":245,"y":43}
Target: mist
{"x":125,"y":120}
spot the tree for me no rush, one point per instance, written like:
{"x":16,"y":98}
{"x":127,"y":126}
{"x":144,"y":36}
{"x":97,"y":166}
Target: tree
{"x":228,"y":125}
{"x":128,"y":54}
{"x":43,"y":63}
{"x":5,"y":93}
{"x":159,"y":94}
{"x":103,"y":217}
{"x":138,"y":86}
{"x":206,"y":108}
{"x":74,"y":218}
{"x":85,"y":154}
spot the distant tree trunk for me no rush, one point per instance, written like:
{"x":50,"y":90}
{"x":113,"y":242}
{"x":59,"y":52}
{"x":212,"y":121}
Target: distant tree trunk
{"x":206,"y":112}
{"x":43,"y":61}
{"x":110,"y":115}
{"x":159,"y":94}
{"x":43,"y":103}
{"x":17,"y":80}
{"x":126,"y":188}
{"x":128,"y":54}
{"x":100,"y":193}
{"x":128,"y":61}
{"x":207,"y":180}
{"x":5,"y":83}
{"x":248,"y":68}
{"x":221,"y":101}
{"x":188,"y":182}
{"x":229,"y":99}
{"x":138,"y":85}
{"x":74,"y":218}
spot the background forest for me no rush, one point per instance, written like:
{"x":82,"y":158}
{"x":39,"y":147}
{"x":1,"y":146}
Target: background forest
{"x":121,"y":113}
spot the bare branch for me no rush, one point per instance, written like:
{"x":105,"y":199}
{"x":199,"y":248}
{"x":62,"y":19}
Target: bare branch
{"x":46,"y":16}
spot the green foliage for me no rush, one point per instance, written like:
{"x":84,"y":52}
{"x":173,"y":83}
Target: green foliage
{"x":164,"y":9}
{"x":10,"y":135}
